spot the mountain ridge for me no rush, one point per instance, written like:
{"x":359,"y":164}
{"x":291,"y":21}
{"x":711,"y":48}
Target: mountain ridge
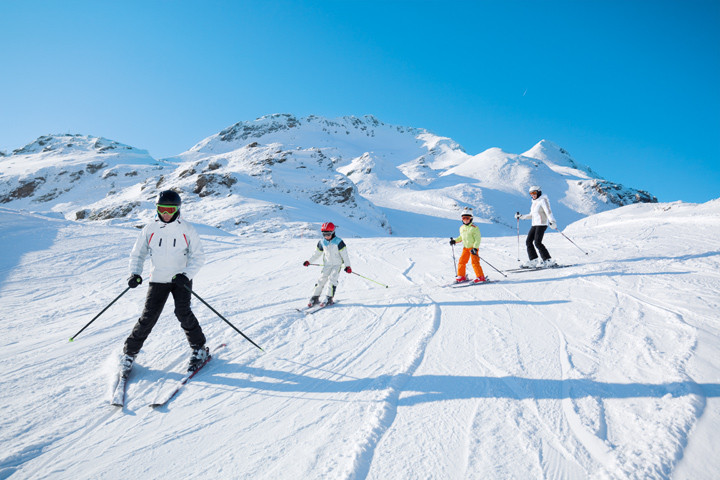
{"x":281,"y":171}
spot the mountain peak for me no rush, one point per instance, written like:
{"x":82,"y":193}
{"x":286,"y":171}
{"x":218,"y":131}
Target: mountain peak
{"x":554,"y":155}
{"x":68,"y":143}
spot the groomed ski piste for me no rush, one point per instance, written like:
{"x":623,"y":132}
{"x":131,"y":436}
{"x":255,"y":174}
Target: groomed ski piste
{"x":607,"y":369}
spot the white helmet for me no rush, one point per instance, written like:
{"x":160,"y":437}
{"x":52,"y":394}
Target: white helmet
{"x":466,"y":211}
{"x":535,"y":188}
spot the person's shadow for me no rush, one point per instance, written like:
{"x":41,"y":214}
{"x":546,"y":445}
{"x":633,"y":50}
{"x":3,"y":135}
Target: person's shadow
{"x":430,"y":388}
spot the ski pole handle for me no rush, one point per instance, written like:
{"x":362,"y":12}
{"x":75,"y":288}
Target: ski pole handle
{"x":101,"y":312}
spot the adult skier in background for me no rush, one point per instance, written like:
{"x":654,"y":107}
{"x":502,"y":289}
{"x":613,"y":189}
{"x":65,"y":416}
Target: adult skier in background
{"x":541,"y":216}
{"x":470,"y":238}
{"x":176,"y":255}
{"x":334,"y":252}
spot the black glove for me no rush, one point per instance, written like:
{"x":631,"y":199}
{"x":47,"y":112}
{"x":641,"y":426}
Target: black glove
{"x":473,"y":251}
{"x":306,"y":263}
{"x":348,"y":269}
{"x":181,"y":280}
{"x":134,"y":280}
{"x":452,"y":241}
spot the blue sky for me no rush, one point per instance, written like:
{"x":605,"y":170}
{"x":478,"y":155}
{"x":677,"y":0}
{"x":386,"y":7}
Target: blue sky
{"x":630,"y":88}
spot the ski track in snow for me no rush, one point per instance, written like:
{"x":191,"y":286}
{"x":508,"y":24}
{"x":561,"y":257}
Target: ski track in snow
{"x":607,"y":369}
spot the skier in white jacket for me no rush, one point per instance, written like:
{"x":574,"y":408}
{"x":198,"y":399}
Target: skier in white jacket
{"x":334,"y":253}
{"x":541,"y":216}
{"x":176,"y":254}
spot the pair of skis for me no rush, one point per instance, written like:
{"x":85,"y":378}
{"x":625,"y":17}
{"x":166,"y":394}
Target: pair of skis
{"x":310,"y":309}
{"x":164,"y":395}
{"x":468,"y":283}
{"x":535,"y":269}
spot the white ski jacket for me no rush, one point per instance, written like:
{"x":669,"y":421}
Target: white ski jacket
{"x":173,"y":248}
{"x":333,"y":251}
{"x":540,"y":212}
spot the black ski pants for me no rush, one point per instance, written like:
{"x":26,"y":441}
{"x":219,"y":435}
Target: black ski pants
{"x":157,"y":295}
{"x":535,"y":235}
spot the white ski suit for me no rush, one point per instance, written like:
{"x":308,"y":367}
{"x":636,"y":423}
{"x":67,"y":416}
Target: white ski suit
{"x":173,"y":248}
{"x":334,"y":253}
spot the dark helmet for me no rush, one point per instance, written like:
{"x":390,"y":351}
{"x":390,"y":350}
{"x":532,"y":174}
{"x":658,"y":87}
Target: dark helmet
{"x":168,"y":198}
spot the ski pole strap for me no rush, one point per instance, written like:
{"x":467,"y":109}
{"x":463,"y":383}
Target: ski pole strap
{"x":224,"y":319}
{"x":366,"y":278}
{"x":101,"y":312}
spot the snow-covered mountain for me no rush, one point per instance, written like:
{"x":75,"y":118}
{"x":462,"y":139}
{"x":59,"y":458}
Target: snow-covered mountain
{"x":284,"y":173}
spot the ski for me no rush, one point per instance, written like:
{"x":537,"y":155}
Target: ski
{"x":162,"y":400}
{"x":535,"y":269}
{"x":470,"y":284}
{"x":118,"y":398}
{"x":315,"y":308}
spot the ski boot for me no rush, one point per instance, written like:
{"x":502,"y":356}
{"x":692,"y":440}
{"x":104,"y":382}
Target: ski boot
{"x":198,"y":357}
{"x":313,"y":300}
{"x":126,"y":364}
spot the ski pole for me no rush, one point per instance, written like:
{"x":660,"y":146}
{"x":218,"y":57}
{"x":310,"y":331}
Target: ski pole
{"x":501,"y":273}
{"x":224,"y":319}
{"x":366,"y":278}
{"x":454,"y":261}
{"x":101,"y":312}
{"x":518,"y":231}
{"x":561,"y":233}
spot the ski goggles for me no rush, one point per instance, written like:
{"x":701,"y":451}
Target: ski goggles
{"x":167,"y":209}
{"x":327,"y":234}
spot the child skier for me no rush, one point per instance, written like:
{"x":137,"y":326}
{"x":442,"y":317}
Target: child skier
{"x":541,"y":216}
{"x":177,"y":255}
{"x":334,"y":253}
{"x":470,"y":238}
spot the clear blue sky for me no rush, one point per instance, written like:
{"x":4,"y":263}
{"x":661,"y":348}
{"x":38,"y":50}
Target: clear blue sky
{"x":631,"y":88}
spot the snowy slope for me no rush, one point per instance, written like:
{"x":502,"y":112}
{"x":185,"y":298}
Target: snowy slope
{"x":281,"y":172}
{"x":608,"y":369}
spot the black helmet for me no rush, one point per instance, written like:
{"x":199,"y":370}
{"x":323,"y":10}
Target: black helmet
{"x":168,"y":199}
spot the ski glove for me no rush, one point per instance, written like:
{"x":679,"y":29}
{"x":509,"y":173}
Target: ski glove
{"x":553,"y":224}
{"x":452,"y":241}
{"x":348,"y":269}
{"x":134,"y":280}
{"x":473,"y":251}
{"x":517,"y":215}
{"x":306,"y":263}
{"x":181,"y":280}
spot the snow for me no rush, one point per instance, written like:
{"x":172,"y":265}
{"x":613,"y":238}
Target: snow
{"x":606,"y":369}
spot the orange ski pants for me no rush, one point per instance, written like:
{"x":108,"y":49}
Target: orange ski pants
{"x":475,"y":259}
